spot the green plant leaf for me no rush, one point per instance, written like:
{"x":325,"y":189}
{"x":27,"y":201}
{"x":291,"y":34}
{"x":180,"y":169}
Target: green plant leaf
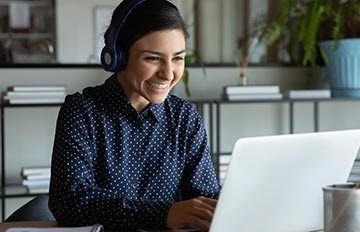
{"x":309,"y":40}
{"x":273,"y":33}
{"x":323,"y":55}
{"x":339,"y":22}
{"x":185,"y":79}
{"x":190,"y":59}
{"x":301,"y":24}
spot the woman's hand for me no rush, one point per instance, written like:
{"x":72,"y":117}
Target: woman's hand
{"x":197,"y":212}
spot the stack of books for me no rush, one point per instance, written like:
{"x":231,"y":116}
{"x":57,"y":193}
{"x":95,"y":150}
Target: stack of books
{"x":252,"y":92}
{"x":310,"y":94}
{"x":35,"y":94}
{"x":36,"y":179}
{"x":355,"y":172}
{"x":224,"y":167}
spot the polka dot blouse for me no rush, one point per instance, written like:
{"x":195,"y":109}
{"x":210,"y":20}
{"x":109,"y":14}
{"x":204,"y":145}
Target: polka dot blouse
{"x":124,"y":169}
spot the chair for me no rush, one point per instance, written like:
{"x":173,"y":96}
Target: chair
{"x":35,"y":210}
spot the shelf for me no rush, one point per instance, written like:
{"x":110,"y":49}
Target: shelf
{"x":31,"y":3}
{"x":50,"y":65}
{"x":324,"y":99}
{"x":253,"y":101}
{"x":211,"y":101}
{"x":223,"y":101}
{"x":16,"y":191}
{"x":26,"y":35}
{"x":7,"y":105}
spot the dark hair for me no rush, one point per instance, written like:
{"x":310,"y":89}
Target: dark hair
{"x":149,"y":16}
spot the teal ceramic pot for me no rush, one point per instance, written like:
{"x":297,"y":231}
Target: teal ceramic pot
{"x":343,"y":67}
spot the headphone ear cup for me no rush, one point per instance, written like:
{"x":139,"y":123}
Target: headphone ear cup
{"x":121,"y":60}
{"x":108,"y":59}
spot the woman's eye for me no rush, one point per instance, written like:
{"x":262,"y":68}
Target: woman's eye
{"x":177,"y":58}
{"x":152,"y":58}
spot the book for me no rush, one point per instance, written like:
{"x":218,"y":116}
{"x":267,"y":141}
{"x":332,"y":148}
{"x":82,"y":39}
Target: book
{"x":27,"y":88}
{"x":42,"y":183}
{"x":221,"y":181}
{"x":37,"y":177}
{"x":93,"y":228}
{"x":353,"y":178}
{"x":251,"y":89}
{"x":224,"y":167}
{"x":36,"y":101}
{"x":9,"y":95}
{"x":222,"y":175}
{"x":240,"y":97}
{"x":309,"y":93}
{"x":44,"y":170}
{"x":28,"y":98}
{"x":35,"y":190}
{"x":224,"y":159}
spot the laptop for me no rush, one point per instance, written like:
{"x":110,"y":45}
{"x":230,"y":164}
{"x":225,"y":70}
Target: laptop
{"x":274,"y":183}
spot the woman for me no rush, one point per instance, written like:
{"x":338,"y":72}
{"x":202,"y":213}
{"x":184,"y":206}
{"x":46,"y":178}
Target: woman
{"x":124,"y":150}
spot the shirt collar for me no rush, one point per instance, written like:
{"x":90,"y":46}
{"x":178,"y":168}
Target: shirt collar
{"x":121,"y":103}
{"x":158,"y":110}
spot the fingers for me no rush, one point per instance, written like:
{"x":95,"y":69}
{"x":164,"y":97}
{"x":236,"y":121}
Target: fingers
{"x":196,"y":212}
{"x":206,"y":203}
{"x":209,"y":201}
{"x":203,"y":208}
{"x":202,"y":213}
{"x":199,"y":223}
{"x":203,"y":205}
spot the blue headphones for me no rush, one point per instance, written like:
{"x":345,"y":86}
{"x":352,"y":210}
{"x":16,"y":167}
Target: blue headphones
{"x":113,"y":58}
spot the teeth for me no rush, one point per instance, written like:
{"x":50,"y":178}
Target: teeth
{"x":158,"y":85}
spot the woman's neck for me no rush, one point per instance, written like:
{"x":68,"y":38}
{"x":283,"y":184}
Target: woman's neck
{"x":137,"y":101}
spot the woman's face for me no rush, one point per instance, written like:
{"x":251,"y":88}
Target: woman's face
{"x":156,"y":63}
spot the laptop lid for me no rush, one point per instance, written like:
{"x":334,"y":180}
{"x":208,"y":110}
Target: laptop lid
{"x":274,"y":183}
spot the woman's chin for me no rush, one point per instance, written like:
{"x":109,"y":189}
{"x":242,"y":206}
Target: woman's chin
{"x":159,"y":98}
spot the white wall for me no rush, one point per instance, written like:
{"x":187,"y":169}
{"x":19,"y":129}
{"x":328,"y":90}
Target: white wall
{"x":75,"y":30}
{"x":220,"y":27}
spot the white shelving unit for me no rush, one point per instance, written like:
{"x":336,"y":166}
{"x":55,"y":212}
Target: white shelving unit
{"x":33,"y":44}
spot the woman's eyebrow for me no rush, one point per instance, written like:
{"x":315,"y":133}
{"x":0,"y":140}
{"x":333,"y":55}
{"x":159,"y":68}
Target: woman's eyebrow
{"x":161,"y":54}
{"x":178,"y":53}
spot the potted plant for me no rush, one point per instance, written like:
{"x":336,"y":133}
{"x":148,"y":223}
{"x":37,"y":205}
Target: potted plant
{"x":310,"y":29}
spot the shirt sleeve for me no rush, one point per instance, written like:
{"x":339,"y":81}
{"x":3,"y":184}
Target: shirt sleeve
{"x":199,"y":177}
{"x":74,"y":198}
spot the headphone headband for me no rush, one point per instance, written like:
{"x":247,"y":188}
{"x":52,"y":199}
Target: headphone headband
{"x":113,"y":60}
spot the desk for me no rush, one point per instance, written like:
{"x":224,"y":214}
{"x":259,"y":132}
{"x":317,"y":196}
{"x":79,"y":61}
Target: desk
{"x":5,"y":225}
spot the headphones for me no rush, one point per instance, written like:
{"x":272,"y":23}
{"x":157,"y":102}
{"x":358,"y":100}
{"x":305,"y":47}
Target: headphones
{"x":113,"y":59}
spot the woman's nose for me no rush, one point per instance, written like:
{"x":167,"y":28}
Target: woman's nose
{"x":167,"y":71}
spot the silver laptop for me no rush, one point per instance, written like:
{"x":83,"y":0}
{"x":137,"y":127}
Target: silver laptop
{"x":274,"y":183}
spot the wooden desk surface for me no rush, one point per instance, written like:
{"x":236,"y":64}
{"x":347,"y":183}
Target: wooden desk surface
{"x":5,"y":225}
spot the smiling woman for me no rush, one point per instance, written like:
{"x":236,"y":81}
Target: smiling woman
{"x":127,"y":154}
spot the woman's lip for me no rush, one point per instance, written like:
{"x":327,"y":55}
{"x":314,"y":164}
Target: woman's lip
{"x":159,"y":87}
{"x":158,"y":83}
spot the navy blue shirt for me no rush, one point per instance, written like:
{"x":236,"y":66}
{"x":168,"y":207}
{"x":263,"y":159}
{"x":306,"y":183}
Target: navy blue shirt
{"x":124,"y":169}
